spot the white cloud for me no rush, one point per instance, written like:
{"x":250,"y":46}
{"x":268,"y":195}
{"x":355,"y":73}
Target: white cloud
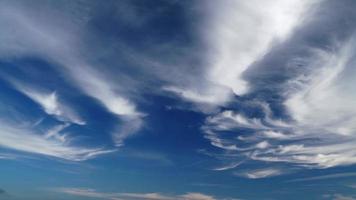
{"x":196,"y":196}
{"x":235,"y":35}
{"x":86,"y":193}
{"x":56,"y":38}
{"x":6,"y":156}
{"x":99,"y":87}
{"x":228,"y":120}
{"x":27,"y":141}
{"x":51,"y":105}
{"x":343,"y":197}
{"x":152,"y":196}
{"x":323,"y":107}
{"x":275,"y":134}
{"x":132,"y":196}
{"x":239,"y":33}
{"x":216,"y":96}
{"x":262,"y":145}
{"x":261,"y":173}
{"x":129,"y":126}
{"x":326,"y":97}
{"x":220,"y":143}
{"x":55,"y":133}
{"x":320,"y":102}
{"x":323,"y":177}
{"x":314,"y":156}
{"x":231,"y":121}
{"x":228,"y":167}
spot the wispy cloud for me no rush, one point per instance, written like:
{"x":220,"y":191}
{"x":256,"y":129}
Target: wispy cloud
{"x":342,"y":197}
{"x":129,"y":196}
{"x":326,"y":85}
{"x":8,"y":156}
{"x":25,"y":140}
{"x":63,"y":47}
{"x":310,"y":107}
{"x":96,"y":86}
{"x":318,"y":126}
{"x":261,"y":173}
{"x":214,"y":96}
{"x":230,"y":121}
{"x":241,"y":33}
{"x":196,"y":196}
{"x":55,"y":133}
{"x":228,"y":167}
{"x":323,"y":177}
{"x":51,"y":105}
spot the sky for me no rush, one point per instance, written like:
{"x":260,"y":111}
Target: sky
{"x":177,"y":100}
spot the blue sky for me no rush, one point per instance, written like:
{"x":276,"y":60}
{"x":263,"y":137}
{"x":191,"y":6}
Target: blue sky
{"x":177,"y":100}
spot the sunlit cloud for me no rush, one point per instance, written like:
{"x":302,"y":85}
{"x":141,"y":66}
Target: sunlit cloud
{"x":241,"y":33}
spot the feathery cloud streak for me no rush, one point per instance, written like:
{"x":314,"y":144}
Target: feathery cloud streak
{"x":62,"y":45}
{"x":25,"y":140}
{"x":136,"y":196}
{"x":316,"y":93}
